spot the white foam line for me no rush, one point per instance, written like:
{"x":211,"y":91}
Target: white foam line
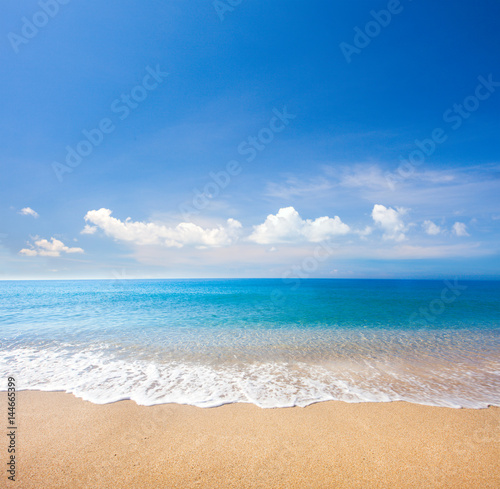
{"x":100,"y":377}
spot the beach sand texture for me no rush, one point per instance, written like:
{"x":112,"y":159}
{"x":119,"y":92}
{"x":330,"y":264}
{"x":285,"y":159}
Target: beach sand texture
{"x":64,"y":442}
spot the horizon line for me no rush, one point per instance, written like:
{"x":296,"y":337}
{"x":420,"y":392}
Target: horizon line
{"x":448,"y":277}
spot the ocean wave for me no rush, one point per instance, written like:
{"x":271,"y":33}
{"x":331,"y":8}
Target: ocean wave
{"x":101,"y":374}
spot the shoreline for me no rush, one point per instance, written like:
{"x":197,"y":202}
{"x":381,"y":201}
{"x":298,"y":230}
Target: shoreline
{"x":65,"y":442}
{"x":229,"y":403}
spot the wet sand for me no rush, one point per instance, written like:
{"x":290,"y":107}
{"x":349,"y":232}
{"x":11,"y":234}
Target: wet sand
{"x":64,"y":442}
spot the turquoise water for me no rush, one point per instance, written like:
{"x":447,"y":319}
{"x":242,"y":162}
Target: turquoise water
{"x":269,"y":342}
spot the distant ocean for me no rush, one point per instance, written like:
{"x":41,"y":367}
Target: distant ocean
{"x":268,"y":342}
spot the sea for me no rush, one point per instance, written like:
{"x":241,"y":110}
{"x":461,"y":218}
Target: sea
{"x":270,"y":342}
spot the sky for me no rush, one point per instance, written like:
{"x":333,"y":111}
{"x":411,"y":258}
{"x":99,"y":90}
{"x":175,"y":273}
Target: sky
{"x":238,"y":138}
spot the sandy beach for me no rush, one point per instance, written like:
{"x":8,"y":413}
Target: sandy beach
{"x":64,"y":442}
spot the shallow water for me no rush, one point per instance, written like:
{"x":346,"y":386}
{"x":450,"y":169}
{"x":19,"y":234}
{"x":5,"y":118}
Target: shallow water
{"x":269,"y":342}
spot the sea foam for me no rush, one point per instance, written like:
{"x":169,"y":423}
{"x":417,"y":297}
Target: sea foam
{"x":102,"y":377}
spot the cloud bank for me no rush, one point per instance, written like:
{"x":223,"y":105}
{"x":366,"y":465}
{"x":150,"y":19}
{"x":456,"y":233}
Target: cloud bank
{"x":149,"y":233}
{"x":286,"y":226}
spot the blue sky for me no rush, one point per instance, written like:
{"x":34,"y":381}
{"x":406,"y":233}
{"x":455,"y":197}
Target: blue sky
{"x":264,"y":139}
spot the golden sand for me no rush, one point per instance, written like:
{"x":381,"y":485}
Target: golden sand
{"x":64,"y":442}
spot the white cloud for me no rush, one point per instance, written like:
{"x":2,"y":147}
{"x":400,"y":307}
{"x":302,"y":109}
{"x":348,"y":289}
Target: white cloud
{"x":390,"y":220}
{"x":298,"y":187}
{"x":53,"y":248}
{"x":149,"y":233}
{"x":288,"y":226}
{"x":371,"y":176}
{"x":366,"y":176}
{"x":28,"y":211}
{"x":28,"y":252}
{"x":460,"y":229}
{"x":431,"y":228}
{"x":88,"y":229}
{"x":363,"y":233}
{"x":409,"y":252}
